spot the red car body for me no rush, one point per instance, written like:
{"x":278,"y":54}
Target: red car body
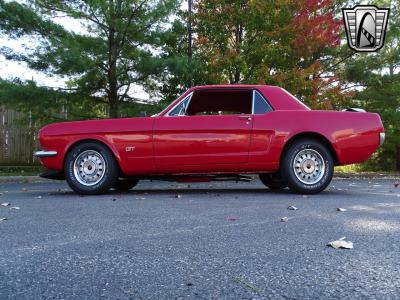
{"x":215,"y":144}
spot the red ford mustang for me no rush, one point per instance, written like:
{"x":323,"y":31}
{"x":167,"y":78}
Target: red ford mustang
{"x":213,"y":133}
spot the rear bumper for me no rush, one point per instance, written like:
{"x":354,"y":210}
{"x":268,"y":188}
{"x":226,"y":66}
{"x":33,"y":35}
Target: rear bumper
{"x":42,"y":153}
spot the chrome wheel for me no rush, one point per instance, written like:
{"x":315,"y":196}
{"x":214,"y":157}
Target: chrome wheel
{"x":309,"y":166}
{"x":89,"y":168}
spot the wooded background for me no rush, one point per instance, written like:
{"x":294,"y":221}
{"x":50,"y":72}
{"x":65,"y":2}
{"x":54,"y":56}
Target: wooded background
{"x":166,"y":46}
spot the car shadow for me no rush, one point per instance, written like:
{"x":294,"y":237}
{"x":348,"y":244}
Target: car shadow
{"x":198,"y":191}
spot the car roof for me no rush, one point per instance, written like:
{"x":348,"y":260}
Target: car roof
{"x":278,"y":97}
{"x":251,"y":86}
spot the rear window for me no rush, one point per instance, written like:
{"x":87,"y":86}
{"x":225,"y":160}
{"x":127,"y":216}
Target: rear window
{"x":260,"y":105}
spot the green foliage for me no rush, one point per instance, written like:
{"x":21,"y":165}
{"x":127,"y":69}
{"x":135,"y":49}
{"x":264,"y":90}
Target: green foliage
{"x":105,"y":61}
{"x":378,"y":75}
{"x":45,"y":105}
{"x":124,"y":43}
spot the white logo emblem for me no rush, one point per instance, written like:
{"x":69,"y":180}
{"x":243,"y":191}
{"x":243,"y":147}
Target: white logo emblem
{"x":365,"y":27}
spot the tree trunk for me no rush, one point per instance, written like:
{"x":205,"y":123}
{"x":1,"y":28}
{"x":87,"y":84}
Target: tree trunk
{"x":397,"y":156}
{"x":112,"y":67}
{"x":114,"y":110}
{"x":190,"y":43}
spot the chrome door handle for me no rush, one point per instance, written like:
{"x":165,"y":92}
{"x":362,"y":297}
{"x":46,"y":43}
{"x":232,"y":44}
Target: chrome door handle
{"x":246,"y":118}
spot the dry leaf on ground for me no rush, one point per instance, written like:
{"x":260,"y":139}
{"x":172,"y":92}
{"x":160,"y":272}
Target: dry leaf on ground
{"x":341,"y":209}
{"x":291,"y":207}
{"x":341,"y":243}
{"x":284,"y":219}
{"x":5,"y":204}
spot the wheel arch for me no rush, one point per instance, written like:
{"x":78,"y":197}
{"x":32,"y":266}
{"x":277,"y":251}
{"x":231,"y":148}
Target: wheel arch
{"x":311,"y":135}
{"x":93,"y":140}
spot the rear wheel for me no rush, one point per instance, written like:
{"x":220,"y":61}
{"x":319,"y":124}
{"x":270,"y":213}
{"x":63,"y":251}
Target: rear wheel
{"x":125,"y":184}
{"x":90,"y":168}
{"x":273,"y":181}
{"x":307,"y":166}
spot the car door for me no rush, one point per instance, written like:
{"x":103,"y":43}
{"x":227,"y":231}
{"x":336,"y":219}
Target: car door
{"x":208,"y":128}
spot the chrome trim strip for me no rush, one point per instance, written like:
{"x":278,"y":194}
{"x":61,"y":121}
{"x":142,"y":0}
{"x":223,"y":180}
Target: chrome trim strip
{"x":42,"y":153}
{"x":254,"y":99}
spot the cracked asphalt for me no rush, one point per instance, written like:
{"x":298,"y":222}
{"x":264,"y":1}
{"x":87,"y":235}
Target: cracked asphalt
{"x":220,"y":240}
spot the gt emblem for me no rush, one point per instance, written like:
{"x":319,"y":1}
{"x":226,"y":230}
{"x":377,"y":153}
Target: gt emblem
{"x":365,"y":27}
{"x":130,"y":149}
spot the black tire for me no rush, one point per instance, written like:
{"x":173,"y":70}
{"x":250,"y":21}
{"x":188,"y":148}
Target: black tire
{"x":311,"y":156}
{"x":273,"y":181}
{"x":125,"y":184}
{"x":103,"y":162}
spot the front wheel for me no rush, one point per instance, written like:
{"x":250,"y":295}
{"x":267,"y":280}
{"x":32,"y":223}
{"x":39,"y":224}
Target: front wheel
{"x":90,"y":168}
{"x":307,"y":166}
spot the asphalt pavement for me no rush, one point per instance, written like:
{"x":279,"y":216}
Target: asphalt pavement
{"x":220,"y":240}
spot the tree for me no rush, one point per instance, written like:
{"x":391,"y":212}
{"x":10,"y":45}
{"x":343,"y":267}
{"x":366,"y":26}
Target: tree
{"x":377,"y":77}
{"x":112,"y":54}
{"x":288,"y":43}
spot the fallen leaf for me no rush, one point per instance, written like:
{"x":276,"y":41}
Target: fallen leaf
{"x":341,"y":243}
{"x":341,"y":209}
{"x":305,"y":196}
{"x":396,"y":184}
{"x":38,"y":197}
{"x":3,"y":219}
{"x":15,"y":208}
{"x":291,"y":207}
{"x":178,"y":196}
{"x":24,"y":189}
{"x":114,"y":199}
{"x":284,"y":219}
{"x":246,"y":284}
{"x":232,"y":219}
{"x":5,"y":204}
{"x":142,"y":198}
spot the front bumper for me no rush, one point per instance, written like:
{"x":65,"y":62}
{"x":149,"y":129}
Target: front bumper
{"x":42,"y":153}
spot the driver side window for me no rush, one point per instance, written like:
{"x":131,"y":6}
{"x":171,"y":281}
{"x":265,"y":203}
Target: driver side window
{"x":207,"y":102}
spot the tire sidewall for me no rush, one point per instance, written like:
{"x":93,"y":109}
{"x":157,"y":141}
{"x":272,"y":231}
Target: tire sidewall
{"x":110,"y":174}
{"x":290,"y":176}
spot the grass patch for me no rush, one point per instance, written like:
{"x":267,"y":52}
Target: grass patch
{"x":349,"y":169}
{"x":20,"y":170}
